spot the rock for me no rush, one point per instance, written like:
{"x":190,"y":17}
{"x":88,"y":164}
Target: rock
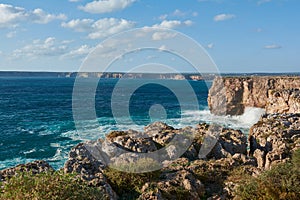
{"x":212,"y":173}
{"x":176,"y":185}
{"x":153,"y":194}
{"x":225,"y":143}
{"x":273,"y":139}
{"x":231,"y":95}
{"x":88,"y":168}
{"x":156,"y":128}
{"x":283,"y":101}
{"x":35,"y":167}
{"x":260,"y":158}
{"x":130,"y":143}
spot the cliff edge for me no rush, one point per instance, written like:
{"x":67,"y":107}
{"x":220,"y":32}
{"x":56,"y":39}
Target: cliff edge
{"x":230,"y":95}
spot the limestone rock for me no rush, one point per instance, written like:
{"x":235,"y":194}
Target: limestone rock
{"x":231,"y":95}
{"x":225,"y":143}
{"x":173,"y":185}
{"x":35,"y":167}
{"x":274,"y":138}
{"x":89,"y":168}
{"x":283,"y":101}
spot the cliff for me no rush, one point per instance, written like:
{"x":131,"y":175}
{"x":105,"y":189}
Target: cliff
{"x":172,"y":76}
{"x":230,"y":95}
{"x":283,"y":101}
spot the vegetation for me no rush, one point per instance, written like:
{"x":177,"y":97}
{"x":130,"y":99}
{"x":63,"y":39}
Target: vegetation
{"x":128,"y":185}
{"x":50,"y":186}
{"x":281,"y":182}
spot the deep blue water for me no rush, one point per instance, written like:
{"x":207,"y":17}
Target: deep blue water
{"x":36,"y":120}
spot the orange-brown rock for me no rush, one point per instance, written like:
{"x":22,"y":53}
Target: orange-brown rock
{"x":230,"y":95}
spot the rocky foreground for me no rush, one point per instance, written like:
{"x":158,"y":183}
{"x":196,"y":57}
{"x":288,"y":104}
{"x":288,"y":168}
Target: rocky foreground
{"x":271,"y":141}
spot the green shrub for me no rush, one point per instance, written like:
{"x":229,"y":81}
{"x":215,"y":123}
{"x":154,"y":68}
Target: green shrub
{"x":281,"y":182}
{"x":50,"y":186}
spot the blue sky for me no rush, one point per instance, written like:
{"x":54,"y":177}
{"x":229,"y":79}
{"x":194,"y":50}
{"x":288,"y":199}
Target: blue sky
{"x":239,"y":35}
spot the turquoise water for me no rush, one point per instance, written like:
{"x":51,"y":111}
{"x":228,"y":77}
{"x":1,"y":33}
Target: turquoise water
{"x":36,"y":119}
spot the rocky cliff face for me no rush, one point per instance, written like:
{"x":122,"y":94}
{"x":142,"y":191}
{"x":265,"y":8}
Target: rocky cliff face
{"x":283,"y":101}
{"x":230,"y":95}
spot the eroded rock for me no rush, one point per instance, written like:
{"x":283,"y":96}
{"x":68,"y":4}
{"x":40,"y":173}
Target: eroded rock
{"x":274,"y":138}
{"x":35,"y":167}
{"x":283,"y":101}
{"x":231,"y":95}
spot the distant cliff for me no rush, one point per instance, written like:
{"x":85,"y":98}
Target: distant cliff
{"x":230,"y":95}
{"x":187,"y":76}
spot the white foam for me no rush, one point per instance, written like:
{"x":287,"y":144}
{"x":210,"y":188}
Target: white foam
{"x":12,"y":162}
{"x":250,"y":116}
{"x":244,"y":122}
{"x":30,"y":151}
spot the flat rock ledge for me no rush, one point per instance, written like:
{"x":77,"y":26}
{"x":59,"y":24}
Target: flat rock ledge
{"x":272,"y":140}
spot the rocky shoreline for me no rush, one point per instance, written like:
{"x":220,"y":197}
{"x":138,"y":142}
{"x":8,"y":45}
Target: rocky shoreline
{"x":272,"y":141}
{"x":197,"y":174}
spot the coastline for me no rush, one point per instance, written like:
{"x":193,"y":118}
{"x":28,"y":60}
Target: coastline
{"x":272,"y":141}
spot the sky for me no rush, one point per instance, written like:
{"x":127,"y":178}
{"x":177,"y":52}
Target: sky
{"x":239,"y":35}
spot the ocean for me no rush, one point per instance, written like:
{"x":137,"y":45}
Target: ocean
{"x":36,"y":120}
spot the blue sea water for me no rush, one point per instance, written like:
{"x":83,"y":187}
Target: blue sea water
{"x":36,"y":120}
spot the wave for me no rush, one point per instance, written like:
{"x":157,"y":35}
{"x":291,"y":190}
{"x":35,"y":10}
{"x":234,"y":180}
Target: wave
{"x":91,"y":132}
{"x":243,"y":122}
{"x":12,"y":162}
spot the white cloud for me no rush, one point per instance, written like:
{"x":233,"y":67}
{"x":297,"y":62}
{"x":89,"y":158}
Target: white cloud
{"x":106,"y":6}
{"x":79,"y":52}
{"x":170,"y":24}
{"x":99,"y":29}
{"x":74,"y":1}
{"x":11,"y":16}
{"x":163,"y":17}
{"x":178,"y":13}
{"x":41,"y":17}
{"x":79,"y":25}
{"x":273,"y":46}
{"x":223,"y":17}
{"x":11,"y":34}
{"x":47,"y":47}
{"x":210,"y":46}
{"x":263,"y":1}
{"x":163,"y":35}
